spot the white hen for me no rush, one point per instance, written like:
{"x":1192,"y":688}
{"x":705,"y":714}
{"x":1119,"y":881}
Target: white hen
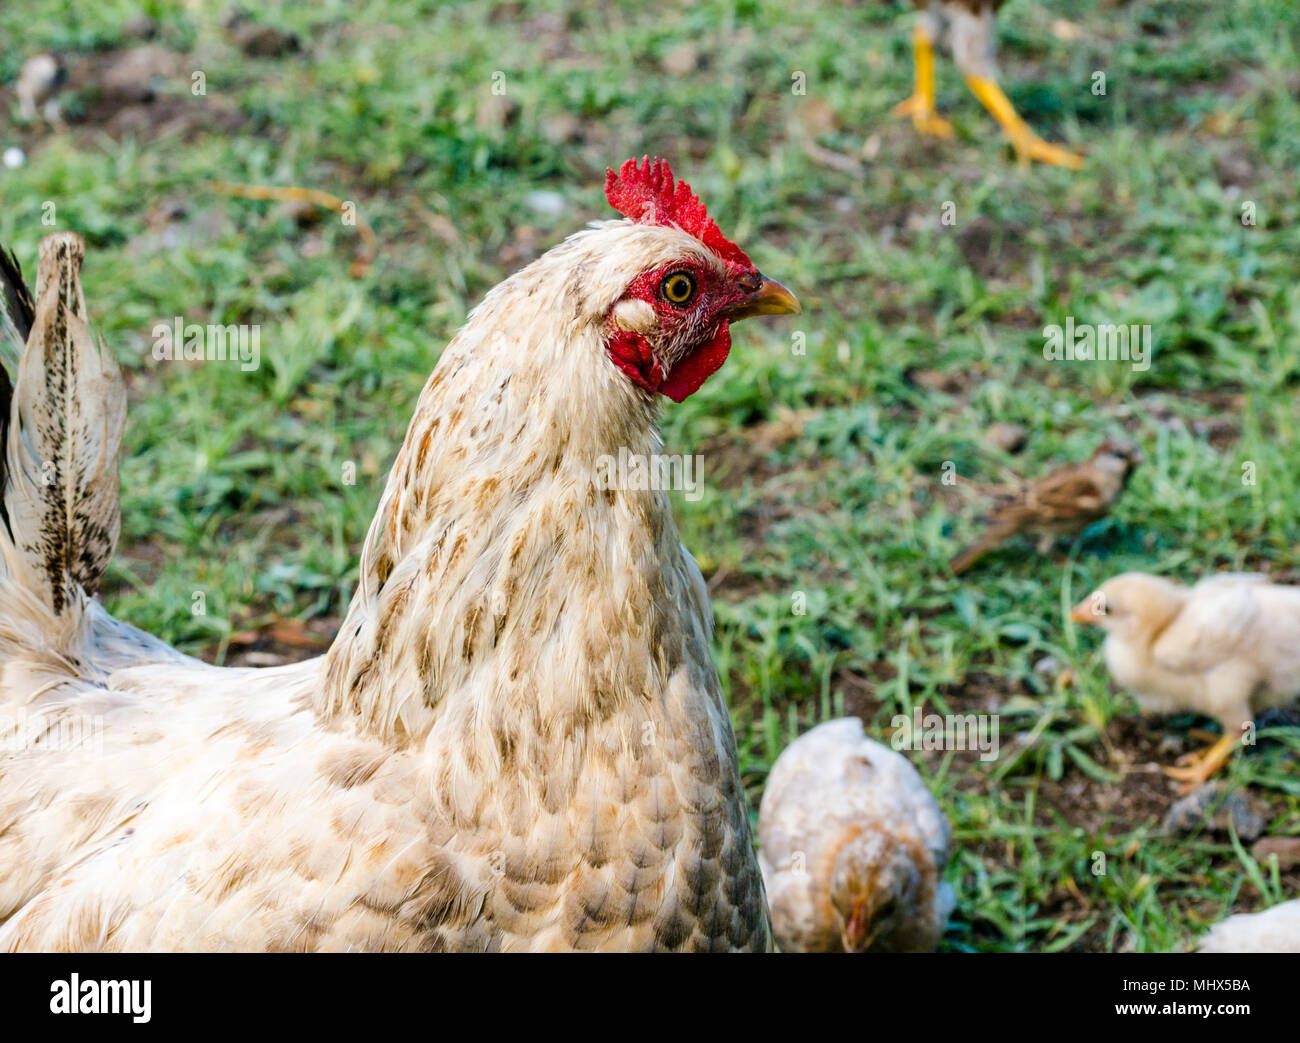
{"x":517,"y":740}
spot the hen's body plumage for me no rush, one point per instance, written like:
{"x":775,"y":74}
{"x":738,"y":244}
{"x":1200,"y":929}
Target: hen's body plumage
{"x":517,"y":740}
{"x":852,"y":847}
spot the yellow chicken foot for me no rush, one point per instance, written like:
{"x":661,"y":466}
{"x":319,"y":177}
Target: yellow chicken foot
{"x":920,"y":106}
{"x":1204,"y":764}
{"x":1028,"y":145}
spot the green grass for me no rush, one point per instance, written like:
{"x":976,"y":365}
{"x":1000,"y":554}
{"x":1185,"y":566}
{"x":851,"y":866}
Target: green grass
{"x":233,"y":482}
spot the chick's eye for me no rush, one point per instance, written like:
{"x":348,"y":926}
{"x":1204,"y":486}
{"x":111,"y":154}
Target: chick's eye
{"x":678,"y":287}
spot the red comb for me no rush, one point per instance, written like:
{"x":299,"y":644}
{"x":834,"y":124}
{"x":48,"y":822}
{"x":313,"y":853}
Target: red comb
{"x":648,"y":195}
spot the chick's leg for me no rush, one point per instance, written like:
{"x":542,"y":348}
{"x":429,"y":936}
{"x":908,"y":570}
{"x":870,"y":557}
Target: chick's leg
{"x":972,"y":49}
{"x":920,"y":106}
{"x":1204,"y":764}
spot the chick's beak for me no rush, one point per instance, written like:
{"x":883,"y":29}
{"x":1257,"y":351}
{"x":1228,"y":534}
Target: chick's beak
{"x":857,"y":935}
{"x":767,"y":297}
{"x":1083,"y":612}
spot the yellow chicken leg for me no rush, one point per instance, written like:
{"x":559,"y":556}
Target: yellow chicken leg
{"x":920,"y":106}
{"x":1028,"y":145}
{"x":1205,"y":763}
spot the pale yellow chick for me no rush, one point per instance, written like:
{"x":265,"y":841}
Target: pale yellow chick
{"x":1227,"y":648}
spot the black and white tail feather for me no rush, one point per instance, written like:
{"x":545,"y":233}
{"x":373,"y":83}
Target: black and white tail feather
{"x":62,"y":427}
{"x":16,"y":313}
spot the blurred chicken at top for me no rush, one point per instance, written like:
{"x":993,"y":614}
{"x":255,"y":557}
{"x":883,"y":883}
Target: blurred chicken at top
{"x":37,"y":87}
{"x":969,"y":25}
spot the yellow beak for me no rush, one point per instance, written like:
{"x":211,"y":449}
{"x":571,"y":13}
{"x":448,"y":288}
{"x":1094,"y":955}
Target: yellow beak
{"x":771,"y":298}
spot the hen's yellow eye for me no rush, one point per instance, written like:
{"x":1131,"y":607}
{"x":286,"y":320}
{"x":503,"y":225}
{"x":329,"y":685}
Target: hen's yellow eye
{"x":678,"y":287}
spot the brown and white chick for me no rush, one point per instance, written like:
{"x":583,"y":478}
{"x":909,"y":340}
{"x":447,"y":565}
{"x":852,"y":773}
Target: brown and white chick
{"x":1061,"y":502}
{"x":852,"y":847}
{"x":1273,"y":930}
{"x":969,"y":25}
{"x":1227,"y":648}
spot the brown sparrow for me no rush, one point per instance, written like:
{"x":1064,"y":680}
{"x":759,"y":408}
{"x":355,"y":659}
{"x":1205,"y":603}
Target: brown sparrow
{"x":1063,"y":501}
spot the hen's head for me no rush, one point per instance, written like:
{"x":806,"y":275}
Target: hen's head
{"x":668,"y":329}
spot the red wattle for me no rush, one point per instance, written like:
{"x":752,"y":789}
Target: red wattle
{"x":631,"y":353}
{"x":686,"y":376}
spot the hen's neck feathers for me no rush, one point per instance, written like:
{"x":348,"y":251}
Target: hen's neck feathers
{"x":501,"y":589}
